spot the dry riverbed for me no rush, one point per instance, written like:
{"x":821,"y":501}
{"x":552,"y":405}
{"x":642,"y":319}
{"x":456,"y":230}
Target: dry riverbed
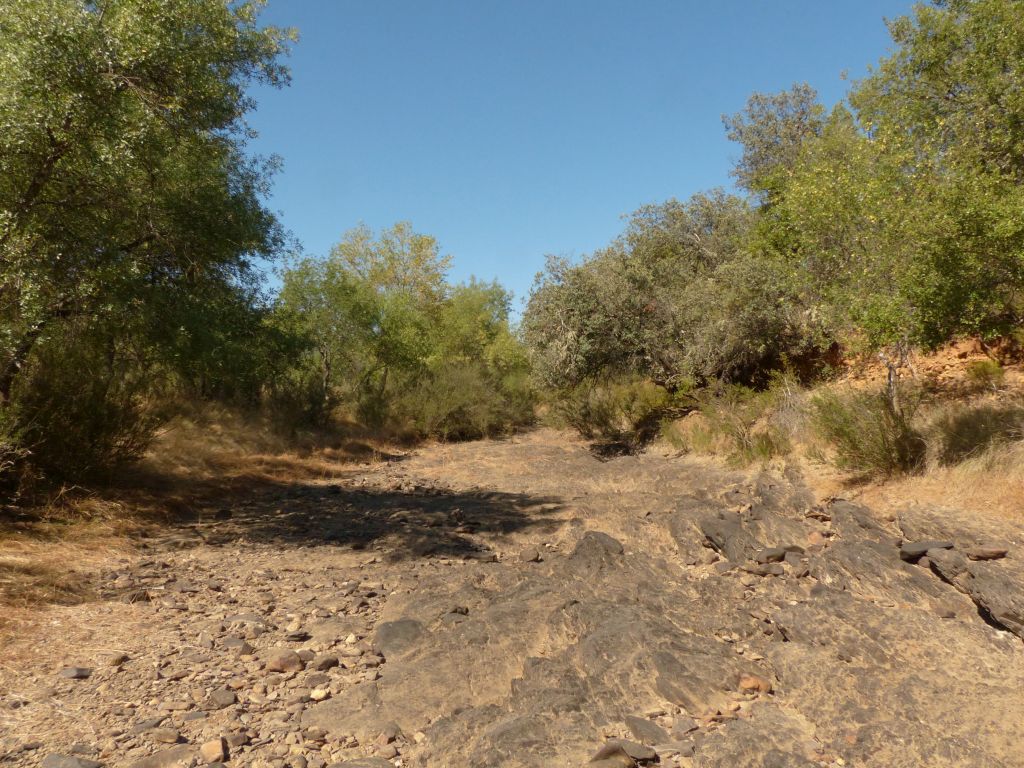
{"x":524,"y":603}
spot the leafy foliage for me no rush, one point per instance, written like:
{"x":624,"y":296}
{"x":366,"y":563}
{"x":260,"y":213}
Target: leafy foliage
{"x":889,"y":223}
{"x":870,"y":436}
{"x":130,"y":214}
{"x":677,"y":299}
{"x":389,"y":341}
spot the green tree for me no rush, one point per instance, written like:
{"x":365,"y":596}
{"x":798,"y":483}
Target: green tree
{"x":771,"y":129}
{"x":124,"y":180}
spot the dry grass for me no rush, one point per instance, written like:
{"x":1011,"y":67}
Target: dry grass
{"x":52,"y":550}
{"x":974,"y":435}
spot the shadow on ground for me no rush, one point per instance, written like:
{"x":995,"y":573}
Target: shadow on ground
{"x":420,"y":522}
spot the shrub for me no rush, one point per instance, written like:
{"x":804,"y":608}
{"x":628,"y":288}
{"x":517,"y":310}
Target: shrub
{"x":985,"y":374}
{"x":461,"y":402}
{"x":623,"y":410}
{"x":82,"y":409}
{"x":961,"y":432}
{"x":740,"y":422}
{"x":870,"y":434}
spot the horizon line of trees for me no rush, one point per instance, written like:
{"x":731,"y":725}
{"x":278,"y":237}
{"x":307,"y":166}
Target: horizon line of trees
{"x":893,"y":221}
{"x":132,"y":218}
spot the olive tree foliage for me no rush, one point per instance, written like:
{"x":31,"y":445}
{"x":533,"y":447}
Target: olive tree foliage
{"x":678,"y":299}
{"x":903,"y":212}
{"x":125,"y":190}
{"x":772,"y":129}
{"x":947,"y":107}
{"x":394,"y":345}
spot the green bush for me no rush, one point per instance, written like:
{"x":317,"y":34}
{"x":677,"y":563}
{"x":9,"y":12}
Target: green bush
{"x":961,"y":432}
{"x":83,"y":408}
{"x":985,"y":374}
{"x":461,"y":402}
{"x":869,"y":434}
{"x":623,"y":410}
{"x":739,"y":421}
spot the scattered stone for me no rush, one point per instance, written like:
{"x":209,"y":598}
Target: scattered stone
{"x":76,"y":673}
{"x":912,"y":551}
{"x":986,"y":553}
{"x":683,"y":725}
{"x":181,"y":756}
{"x":530,"y":555}
{"x":646,"y":731}
{"x":283,"y":660}
{"x":394,"y":637}
{"x":222,"y":697}
{"x":754,"y":684}
{"x":616,"y":748}
{"x":771,"y":555}
{"x":68,"y":761}
{"x":324,"y":662}
{"x":164,"y":735}
{"x":215,"y":751}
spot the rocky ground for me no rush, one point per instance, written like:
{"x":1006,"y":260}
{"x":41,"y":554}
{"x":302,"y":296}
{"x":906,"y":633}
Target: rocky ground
{"x":524,"y":603}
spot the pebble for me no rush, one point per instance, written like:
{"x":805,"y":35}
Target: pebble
{"x":986,"y":553}
{"x":164,"y":735}
{"x":754,"y":684}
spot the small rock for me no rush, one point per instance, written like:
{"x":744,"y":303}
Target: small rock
{"x":986,"y":553}
{"x":283,"y":660}
{"x":164,"y":735}
{"x":755,"y":684}
{"x":646,"y":731}
{"x":215,"y":751}
{"x":76,"y":673}
{"x":771,"y":555}
{"x":683,"y":725}
{"x":912,"y":551}
{"x":68,"y":761}
{"x":324,"y":662}
{"x":222,"y":697}
{"x":707,"y":557}
{"x":529,"y":555}
{"x":618,"y":748}
{"x":175,"y":757}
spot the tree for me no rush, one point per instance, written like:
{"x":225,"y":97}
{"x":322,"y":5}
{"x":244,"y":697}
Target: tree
{"x":948,"y":107}
{"x":665,"y":301}
{"x":772,"y":128}
{"x":122,"y":165}
{"x":398,"y":346}
{"x":125,"y":189}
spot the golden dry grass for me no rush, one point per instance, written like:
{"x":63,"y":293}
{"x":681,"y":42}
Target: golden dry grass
{"x":51,"y":551}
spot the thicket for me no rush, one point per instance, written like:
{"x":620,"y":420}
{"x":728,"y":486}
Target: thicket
{"x":888,"y":223}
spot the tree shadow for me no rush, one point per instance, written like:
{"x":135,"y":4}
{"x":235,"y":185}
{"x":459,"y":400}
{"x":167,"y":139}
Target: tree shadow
{"x":412,"y":521}
{"x":967,"y":432}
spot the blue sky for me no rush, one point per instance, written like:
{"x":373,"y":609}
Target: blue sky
{"x":510,"y":130}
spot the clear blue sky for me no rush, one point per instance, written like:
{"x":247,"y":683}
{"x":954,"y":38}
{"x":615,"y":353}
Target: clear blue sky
{"x":510,"y":130}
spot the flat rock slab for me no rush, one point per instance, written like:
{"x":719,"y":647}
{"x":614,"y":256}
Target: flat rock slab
{"x":69,"y":761}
